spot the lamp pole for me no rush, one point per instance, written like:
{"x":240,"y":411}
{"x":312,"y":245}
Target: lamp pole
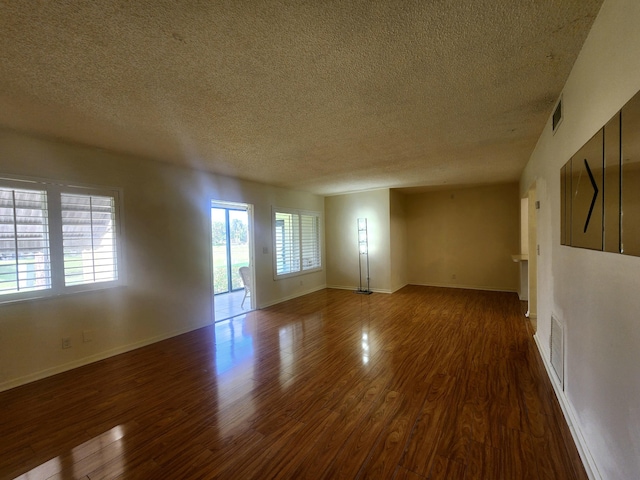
{"x":363,"y":249}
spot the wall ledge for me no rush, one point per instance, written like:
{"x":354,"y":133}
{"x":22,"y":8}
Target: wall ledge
{"x":570,"y":416}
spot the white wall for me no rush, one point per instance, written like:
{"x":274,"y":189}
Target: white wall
{"x":167,"y":258}
{"x":595,"y":294}
{"x":341,"y":237}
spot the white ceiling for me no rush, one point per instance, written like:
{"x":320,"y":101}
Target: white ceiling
{"x":323,"y":96}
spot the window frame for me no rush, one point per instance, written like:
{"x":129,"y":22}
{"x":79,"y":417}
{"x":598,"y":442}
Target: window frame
{"x":54,"y":191}
{"x":300,"y":241}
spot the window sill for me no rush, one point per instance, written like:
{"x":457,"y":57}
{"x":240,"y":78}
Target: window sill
{"x":38,"y":296}
{"x":297,"y":274}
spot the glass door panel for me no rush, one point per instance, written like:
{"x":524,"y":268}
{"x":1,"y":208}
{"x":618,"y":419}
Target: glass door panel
{"x":238,"y":245}
{"x":220,"y":235}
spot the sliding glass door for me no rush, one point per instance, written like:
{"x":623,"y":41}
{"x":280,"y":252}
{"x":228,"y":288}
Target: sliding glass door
{"x":230,"y":233}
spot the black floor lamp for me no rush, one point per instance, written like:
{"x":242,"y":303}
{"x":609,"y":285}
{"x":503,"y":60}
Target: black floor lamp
{"x":363,"y":255}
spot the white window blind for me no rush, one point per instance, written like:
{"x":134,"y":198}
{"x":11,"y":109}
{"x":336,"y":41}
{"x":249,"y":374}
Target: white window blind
{"x":287,"y":243}
{"x":88,"y":238}
{"x":56,"y":239}
{"x":24,"y":241}
{"x":310,"y":230}
{"x":297,"y":241}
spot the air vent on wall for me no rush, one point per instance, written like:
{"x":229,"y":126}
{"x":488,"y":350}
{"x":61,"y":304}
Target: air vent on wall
{"x":557,"y":116}
{"x":556,"y":347}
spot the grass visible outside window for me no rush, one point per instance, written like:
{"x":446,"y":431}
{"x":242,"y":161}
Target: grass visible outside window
{"x":240,"y":254}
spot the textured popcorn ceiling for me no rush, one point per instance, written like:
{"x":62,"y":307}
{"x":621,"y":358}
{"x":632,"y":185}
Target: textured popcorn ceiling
{"x":324,"y":96}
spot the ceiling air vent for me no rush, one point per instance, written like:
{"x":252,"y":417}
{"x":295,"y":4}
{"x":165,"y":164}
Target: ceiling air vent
{"x":556,"y":120}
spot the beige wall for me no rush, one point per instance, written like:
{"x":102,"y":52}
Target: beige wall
{"x":523,"y":288}
{"x":167,"y":258}
{"x":524,"y":226}
{"x":464,"y":237}
{"x":594,"y":294}
{"x":532,"y":265}
{"x":427,"y":238}
{"x":398,"y":240}
{"x":341,"y":239}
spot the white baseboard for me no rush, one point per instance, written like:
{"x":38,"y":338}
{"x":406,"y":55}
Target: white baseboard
{"x":570,"y":416}
{"x":439,"y":285}
{"x":466,"y":287}
{"x":399,"y":288}
{"x":291,"y":297}
{"x":16,"y":382}
{"x":354,"y":288}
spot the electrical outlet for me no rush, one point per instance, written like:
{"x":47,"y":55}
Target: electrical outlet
{"x":66,"y":342}
{"x":87,"y":336}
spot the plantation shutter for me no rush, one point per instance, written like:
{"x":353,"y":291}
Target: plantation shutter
{"x":25,"y":263}
{"x":310,"y":233}
{"x":287,"y":236}
{"x":297,"y":240}
{"x":88,"y":238}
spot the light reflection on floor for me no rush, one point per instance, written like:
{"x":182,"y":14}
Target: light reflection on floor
{"x":246,"y":357}
{"x":365,"y":325}
{"x":365,"y":348}
{"x":234,"y":344}
{"x":103,"y":449}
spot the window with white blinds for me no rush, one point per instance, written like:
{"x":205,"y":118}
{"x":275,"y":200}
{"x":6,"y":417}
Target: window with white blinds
{"x":56,"y":239}
{"x":88,"y":238}
{"x":24,"y":240}
{"x":297,"y":241}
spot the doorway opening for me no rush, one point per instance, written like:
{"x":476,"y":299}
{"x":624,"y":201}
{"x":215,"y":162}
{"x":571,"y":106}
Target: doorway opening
{"x":231,"y":235}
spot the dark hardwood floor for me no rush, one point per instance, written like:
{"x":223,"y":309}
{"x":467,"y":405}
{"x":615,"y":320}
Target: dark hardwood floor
{"x":424,"y":383}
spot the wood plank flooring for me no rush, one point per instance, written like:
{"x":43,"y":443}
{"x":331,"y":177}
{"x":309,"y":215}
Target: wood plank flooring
{"x":426,"y":383}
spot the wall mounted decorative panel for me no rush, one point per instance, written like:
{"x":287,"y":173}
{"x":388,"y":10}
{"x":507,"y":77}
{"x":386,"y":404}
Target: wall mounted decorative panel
{"x":600,"y":188}
{"x":630,"y":178}
{"x":565,"y":204}
{"x":586,"y":194}
{"x":611,"y":214}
